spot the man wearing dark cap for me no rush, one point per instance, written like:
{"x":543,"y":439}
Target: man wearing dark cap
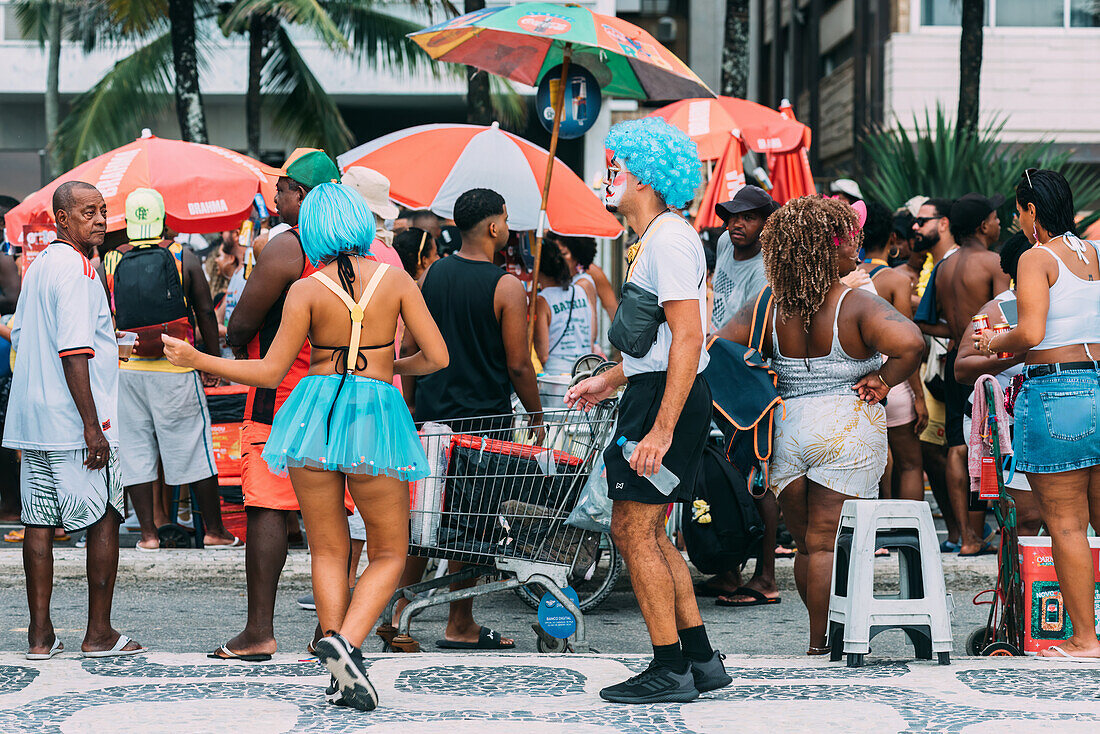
{"x":739,"y":268}
{"x":964,"y":282}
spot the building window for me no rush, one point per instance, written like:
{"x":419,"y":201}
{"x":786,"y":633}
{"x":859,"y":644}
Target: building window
{"x":1084,"y":13}
{"x":945,"y":12}
{"x":1030,"y":13}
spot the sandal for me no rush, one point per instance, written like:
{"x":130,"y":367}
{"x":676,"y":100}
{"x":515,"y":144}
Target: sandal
{"x":757,"y":598}
{"x":819,"y":650}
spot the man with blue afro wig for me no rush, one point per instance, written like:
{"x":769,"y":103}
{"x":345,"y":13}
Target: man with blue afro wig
{"x":658,"y":155}
{"x":665,"y":410}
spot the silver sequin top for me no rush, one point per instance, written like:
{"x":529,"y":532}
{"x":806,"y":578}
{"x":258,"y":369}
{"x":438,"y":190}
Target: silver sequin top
{"x":833,"y":374}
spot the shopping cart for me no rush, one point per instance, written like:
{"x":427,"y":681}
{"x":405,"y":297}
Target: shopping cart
{"x":497,"y":499}
{"x":1003,"y":632}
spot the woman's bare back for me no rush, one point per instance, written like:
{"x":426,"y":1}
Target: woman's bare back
{"x":795,"y":342}
{"x":330,"y":321}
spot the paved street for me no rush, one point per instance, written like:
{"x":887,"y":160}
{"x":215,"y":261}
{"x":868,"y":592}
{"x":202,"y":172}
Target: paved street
{"x":184,"y":603}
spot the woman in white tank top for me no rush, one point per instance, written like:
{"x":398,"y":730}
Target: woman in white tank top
{"x":564,"y":319}
{"x":1057,"y":440}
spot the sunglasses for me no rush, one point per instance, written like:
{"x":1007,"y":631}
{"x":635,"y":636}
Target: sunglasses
{"x":921,"y":221}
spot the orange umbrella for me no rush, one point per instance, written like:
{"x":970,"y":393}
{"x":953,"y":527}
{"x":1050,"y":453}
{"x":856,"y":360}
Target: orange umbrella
{"x":710,"y":121}
{"x":205,"y":188}
{"x":726,"y":180}
{"x":789,"y":169}
{"x":430,"y":166}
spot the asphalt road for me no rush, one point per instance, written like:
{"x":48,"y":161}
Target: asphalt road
{"x":193,"y":601}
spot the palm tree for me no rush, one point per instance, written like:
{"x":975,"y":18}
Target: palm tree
{"x":970,"y":66}
{"x":173,"y":47}
{"x":735,"y":50}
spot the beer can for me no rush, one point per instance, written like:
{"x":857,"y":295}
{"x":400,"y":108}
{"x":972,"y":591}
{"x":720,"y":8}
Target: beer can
{"x":1000,"y":329}
{"x":981,"y":323}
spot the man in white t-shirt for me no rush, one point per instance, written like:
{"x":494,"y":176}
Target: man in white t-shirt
{"x":666,"y":407}
{"x":63,"y":418}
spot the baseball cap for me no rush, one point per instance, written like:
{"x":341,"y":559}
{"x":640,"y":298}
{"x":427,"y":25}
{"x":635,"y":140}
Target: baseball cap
{"x":308,"y":166}
{"x":969,"y":211}
{"x":846,"y":186}
{"x":144,"y":214}
{"x":747,"y":199}
{"x":914,"y":204}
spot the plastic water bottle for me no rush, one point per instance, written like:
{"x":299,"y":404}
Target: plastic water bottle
{"x":664,"y":480}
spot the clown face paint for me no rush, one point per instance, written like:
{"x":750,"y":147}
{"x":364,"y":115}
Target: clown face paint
{"x":614,"y":183}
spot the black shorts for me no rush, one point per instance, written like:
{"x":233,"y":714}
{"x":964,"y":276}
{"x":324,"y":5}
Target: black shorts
{"x":637,"y":412}
{"x":955,"y":398}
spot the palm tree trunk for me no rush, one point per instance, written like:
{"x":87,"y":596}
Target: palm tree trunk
{"x":189,"y":107}
{"x":256,"y":42}
{"x":479,"y":105}
{"x":53,"y":94}
{"x":970,"y":66}
{"x":735,"y":50}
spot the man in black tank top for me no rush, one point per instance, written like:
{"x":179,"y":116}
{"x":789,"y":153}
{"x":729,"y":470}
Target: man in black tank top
{"x":482,"y":313}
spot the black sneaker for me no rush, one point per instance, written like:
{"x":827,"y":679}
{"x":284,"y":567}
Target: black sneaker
{"x":306,"y":602}
{"x":711,"y":674}
{"x":333,"y":695}
{"x":656,"y":684}
{"x":345,"y":662}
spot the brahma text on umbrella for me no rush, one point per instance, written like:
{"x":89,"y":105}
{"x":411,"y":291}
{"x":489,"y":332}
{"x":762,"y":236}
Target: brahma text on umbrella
{"x":113,"y":172}
{"x":207,"y":207}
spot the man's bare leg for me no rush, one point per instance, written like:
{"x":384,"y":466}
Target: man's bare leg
{"x":38,"y":567}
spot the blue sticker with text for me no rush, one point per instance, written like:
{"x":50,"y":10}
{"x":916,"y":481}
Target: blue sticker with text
{"x":555,"y":619}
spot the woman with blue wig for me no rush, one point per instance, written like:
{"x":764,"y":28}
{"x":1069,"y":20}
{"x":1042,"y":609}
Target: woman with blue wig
{"x":345,"y":423}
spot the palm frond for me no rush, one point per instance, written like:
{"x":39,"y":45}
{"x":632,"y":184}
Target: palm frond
{"x":33,"y":17}
{"x":377,"y":35}
{"x":930,"y":158}
{"x":303,"y":111}
{"x":308,"y":13}
{"x":509,"y":106}
{"x":112,"y":113}
{"x":137,"y":17}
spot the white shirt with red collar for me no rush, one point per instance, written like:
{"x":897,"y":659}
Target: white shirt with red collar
{"x":62,"y":311}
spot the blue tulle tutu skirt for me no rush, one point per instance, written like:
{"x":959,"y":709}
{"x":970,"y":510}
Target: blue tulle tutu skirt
{"x":369,"y":432}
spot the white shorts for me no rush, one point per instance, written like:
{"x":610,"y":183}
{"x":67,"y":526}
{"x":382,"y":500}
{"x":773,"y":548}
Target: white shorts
{"x":838,"y":442}
{"x":58,"y":491}
{"x":163,"y":419}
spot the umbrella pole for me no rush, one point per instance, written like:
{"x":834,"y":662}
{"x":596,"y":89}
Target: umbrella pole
{"x":558,"y":101}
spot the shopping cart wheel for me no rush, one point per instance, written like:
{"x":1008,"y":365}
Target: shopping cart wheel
{"x":1001,"y":650}
{"x":593,"y":591}
{"x":546,"y":642}
{"x":173,"y":536}
{"x":977,"y":641}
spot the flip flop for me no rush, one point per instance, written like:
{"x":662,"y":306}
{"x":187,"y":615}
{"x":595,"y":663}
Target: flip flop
{"x":703,"y":589}
{"x":224,"y":653}
{"x":15,"y":536}
{"x":116,"y":651}
{"x":237,"y":543}
{"x":142,"y":549}
{"x":487,"y":639}
{"x":758,"y":599}
{"x":54,"y":650}
{"x":1065,"y":657}
{"x":784,"y":552}
{"x":985,"y":550}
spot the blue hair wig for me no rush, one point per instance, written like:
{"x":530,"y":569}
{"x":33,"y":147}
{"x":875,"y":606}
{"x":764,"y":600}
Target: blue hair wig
{"x":659,"y":155}
{"x":334,"y":218}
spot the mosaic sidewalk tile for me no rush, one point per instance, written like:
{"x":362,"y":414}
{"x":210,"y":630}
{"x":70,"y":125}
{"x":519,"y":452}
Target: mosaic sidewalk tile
{"x":468,"y":680}
{"x":15,"y":678}
{"x":140,"y":667}
{"x":1058,"y":683}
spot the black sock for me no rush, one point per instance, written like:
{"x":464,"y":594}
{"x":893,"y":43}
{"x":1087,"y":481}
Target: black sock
{"x":670,"y":656}
{"x":695,"y":644}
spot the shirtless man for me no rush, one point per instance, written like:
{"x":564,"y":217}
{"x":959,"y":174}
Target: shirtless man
{"x":963,"y":283}
{"x":932,"y":242}
{"x":906,"y":414}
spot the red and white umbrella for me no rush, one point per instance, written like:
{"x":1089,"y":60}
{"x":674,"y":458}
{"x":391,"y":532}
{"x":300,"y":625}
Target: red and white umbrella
{"x":430,"y":166}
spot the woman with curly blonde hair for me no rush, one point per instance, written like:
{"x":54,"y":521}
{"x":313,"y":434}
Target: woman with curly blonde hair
{"x":826,"y":343}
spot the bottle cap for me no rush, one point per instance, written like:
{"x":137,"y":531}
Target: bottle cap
{"x":621,"y":441}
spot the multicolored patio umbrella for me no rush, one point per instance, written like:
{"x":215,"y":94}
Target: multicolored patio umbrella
{"x":522,"y":42}
{"x":205,"y":188}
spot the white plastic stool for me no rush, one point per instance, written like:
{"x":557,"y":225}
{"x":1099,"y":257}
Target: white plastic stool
{"x":922,"y":606}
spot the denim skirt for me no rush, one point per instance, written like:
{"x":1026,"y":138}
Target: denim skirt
{"x":1055,"y":422}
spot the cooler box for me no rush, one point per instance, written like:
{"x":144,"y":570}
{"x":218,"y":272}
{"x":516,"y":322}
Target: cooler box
{"x":227,"y":424}
{"x":1045,"y":620}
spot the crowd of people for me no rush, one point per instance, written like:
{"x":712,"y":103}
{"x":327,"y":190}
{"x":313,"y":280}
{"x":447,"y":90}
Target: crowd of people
{"x":870,"y":334}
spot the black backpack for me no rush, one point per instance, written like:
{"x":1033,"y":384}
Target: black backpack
{"x":721,"y":526}
{"x":146,"y":285}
